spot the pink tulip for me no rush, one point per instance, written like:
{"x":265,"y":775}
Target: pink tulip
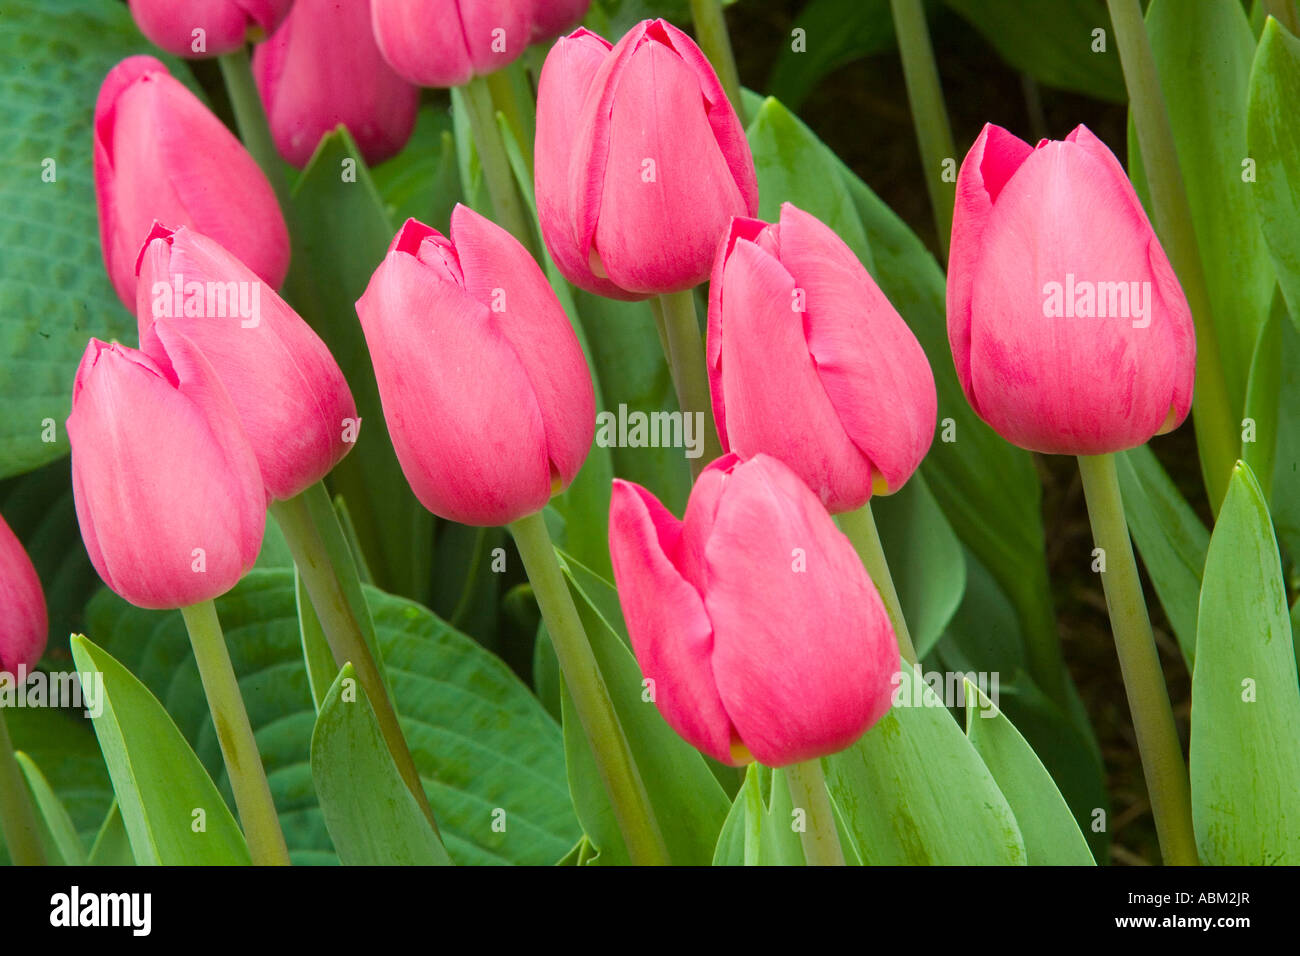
{"x":485,"y":389}
{"x":175,"y":25}
{"x":24,"y":625}
{"x":292,"y":399}
{"x":160,"y":154}
{"x":809,"y":362}
{"x":754,"y":618}
{"x":447,"y":42}
{"x":322,"y":68}
{"x":167,"y":490}
{"x":641,"y":161}
{"x":553,"y":17}
{"x":1068,"y":327}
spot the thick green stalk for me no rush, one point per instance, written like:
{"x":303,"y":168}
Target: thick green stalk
{"x":1217,"y":435}
{"x":712,"y":36}
{"x":686,"y":362}
{"x":860,"y":526}
{"x":17,"y":815}
{"x":235,"y":734}
{"x":250,"y":117}
{"x":1144,"y":681}
{"x":820,"y":838}
{"x":343,"y":632}
{"x":930,"y":117}
{"x":591,"y":700}
{"x":491,"y":148}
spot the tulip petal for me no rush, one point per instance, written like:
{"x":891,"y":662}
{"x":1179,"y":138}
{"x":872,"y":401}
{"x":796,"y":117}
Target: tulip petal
{"x":741,"y":228}
{"x":171,"y":25}
{"x":803,"y":651}
{"x":24,"y":626}
{"x":775,"y":401}
{"x":987,"y":168}
{"x":423,"y":41}
{"x":666,"y":620}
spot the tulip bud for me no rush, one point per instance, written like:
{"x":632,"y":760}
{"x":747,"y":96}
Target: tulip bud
{"x":203,"y":28}
{"x":168,"y":495}
{"x":553,"y":17}
{"x":23,"y":621}
{"x":292,"y":399}
{"x":323,"y":68}
{"x":754,"y":618}
{"x":446,"y":44}
{"x":160,"y":154}
{"x":484,"y":386}
{"x":1068,"y":327}
{"x":808,"y":361}
{"x":635,"y":185}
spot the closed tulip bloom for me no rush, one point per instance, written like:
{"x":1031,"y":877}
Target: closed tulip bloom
{"x":160,"y":154}
{"x":553,"y":17}
{"x":174,"y":25}
{"x":24,"y":625}
{"x":292,"y":399}
{"x":641,"y":161}
{"x":810,"y":363}
{"x":167,"y":490}
{"x":1068,"y":327}
{"x":445,"y":43}
{"x":754,"y":617}
{"x":322,"y":68}
{"x":485,"y":389}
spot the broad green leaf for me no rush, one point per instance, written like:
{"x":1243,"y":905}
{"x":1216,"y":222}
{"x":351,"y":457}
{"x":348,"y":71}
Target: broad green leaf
{"x":1052,"y":837}
{"x":112,"y":846}
{"x":1203,"y":52}
{"x":479,"y":738}
{"x":914,"y":791}
{"x":1169,"y":536}
{"x":1245,"y":756}
{"x":759,"y":830}
{"x":371,"y":816}
{"x":159,"y":781}
{"x":1056,"y":44}
{"x":835,"y":33}
{"x":1285,"y":502}
{"x":422,"y":182}
{"x":1273,"y":137}
{"x":58,"y":834}
{"x":54,"y":292}
{"x":925,"y":560}
{"x":688,"y":802}
{"x":1263,"y":389}
{"x":340,"y":235}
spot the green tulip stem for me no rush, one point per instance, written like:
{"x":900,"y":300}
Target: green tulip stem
{"x":494,"y":161}
{"x":590,"y":695}
{"x":507,"y":101}
{"x":17,"y":815}
{"x":820,"y":836}
{"x":235,"y":734}
{"x":685,"y":354}
{"x":1217,"y":435}
{"x":860,"y":526}
{"x":929,"y":115}
{"x":305,"y":535}
{"x":712,"y":36}
{"x":1144,"y":681}
{"x":250,"y":117}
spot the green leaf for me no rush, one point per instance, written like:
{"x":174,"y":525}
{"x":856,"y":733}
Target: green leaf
{"x":422,"y":182}
{"x":914,"y":791}
{"x":58,"y":834}
{"x":1273,"y":138}
{"x":112,"y":846}
{"x":613,"y":18}
{"x":1285,"y":502}
{"x":479,"y":738}
{"x":1052,"y":837}
{"x":1169,"y":536}
{"x":688,"y":802}
{"x":54,"y":292}
{"x":340,"y":235}
{"x":925,"y":560}
{"x":316,"y":654}
{"x":371,"y":816}
{"x":1263,"y":389}
{"x":759,"y":829}
{"x":836,"y":33}
{"x":158,"y":779}
{"x":1245,"y":757}
{"x":1054,"y":45}
{"x":1203,"y":53}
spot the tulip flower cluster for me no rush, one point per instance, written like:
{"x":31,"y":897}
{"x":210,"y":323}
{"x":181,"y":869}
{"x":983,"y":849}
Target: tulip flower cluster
{"x":733,"y":660}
